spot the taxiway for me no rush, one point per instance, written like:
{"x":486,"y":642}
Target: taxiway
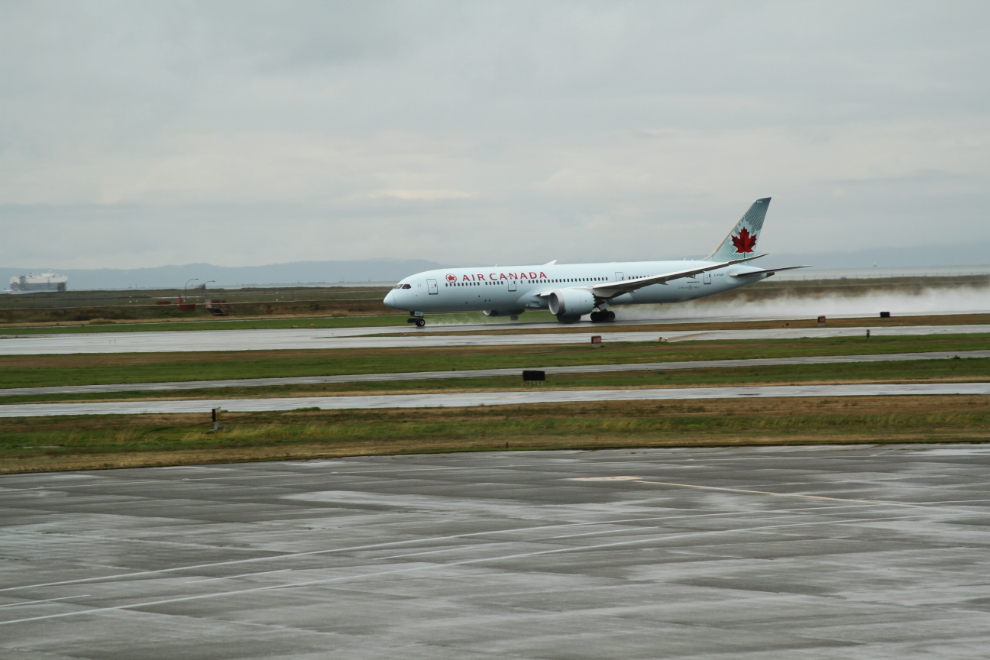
{"x":486,"y":398}
{"x":399,"y":337}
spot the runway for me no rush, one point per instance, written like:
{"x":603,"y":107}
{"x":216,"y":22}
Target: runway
{"x":470,"y":399}
{"x":400,"y":337}
{"x":484,"y":373}
{"x":771,"y":553}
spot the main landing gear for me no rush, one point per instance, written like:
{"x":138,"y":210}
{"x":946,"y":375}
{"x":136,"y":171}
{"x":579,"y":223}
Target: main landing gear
{"x":602,"y":316}
{"x":417,"y":318}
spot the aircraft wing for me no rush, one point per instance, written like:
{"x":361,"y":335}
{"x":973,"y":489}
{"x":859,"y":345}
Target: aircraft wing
{"x":768,"y":271}
{"x":613,"y":289}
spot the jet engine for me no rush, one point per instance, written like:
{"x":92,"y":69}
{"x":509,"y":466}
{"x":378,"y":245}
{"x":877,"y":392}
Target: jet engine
{"x":569,"y":305}
{"x":504,"y":312}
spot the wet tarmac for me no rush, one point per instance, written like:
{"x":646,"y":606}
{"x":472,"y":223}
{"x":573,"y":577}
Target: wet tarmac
{"x":400,"y":337}
{"x":772,"y":553}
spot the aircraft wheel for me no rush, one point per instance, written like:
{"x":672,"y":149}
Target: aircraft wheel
{"x":420,"y":323}
{"x":596,"y":317}
{"x":611,"y":315}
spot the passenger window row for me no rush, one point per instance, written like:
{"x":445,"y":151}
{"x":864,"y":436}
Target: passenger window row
{"x":547,"y":281}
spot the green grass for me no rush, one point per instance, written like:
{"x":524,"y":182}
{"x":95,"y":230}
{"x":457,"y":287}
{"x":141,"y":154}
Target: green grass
{"x":45,"y":371}
{"x":126,"y":441}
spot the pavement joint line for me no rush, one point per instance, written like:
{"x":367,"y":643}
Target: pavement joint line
{"x":814,"y":497}
{"x":284,"y":475}
{"x":37,"y":602}
{"x":318,"y":552}
{"x":117,"y":539}
{"x":377,"y":574}
{"x":370,"y":547}
{"x":234,"y":577}
{"x":549,"y":539}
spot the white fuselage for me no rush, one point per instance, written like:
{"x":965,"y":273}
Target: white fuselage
{"x":512,"y":289}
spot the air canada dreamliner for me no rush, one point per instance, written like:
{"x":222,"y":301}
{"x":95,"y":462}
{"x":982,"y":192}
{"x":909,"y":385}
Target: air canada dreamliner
{"x":571,"y":291}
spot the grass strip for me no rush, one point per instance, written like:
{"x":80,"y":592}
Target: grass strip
{"x":58,"y":370}
{"x":91,"y":442}
{"x":963,"y":369}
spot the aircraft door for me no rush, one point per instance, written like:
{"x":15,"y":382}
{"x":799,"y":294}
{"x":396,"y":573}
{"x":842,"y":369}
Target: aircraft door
{"x":707,"y":278}
{"x":432,"y":284}
{"x":619,"y":277}
{"x":512,"y":285}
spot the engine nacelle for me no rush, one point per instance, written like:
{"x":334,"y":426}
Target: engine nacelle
{"x":571,"y":304}
{"x":504,"y":312}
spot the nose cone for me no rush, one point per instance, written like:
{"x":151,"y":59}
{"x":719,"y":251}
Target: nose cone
{"x":390,"y":299}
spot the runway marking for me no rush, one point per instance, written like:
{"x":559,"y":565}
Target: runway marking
{"x":609,"y":531}
{"x":35,"y":602}
{"x":464,"y":562}
{"x":326,"y":551}
{"x":762,"y":492}
{"x":294,"y":555}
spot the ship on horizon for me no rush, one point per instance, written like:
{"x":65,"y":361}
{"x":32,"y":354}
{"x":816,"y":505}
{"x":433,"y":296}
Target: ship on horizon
{"x":42,"y":282}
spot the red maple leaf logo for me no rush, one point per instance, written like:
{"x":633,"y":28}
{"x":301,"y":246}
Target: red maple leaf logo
{"x":744,"y":242}
{"x":451,"y":278}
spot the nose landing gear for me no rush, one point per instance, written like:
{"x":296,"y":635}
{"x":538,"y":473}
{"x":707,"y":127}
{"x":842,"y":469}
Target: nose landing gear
{"x":417,"y":318}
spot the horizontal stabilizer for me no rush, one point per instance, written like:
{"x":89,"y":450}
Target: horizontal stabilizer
{"x":767,"y":271}
{"x":613,"y":289}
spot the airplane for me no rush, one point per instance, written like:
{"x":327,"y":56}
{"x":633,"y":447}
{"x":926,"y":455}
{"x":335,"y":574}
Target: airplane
{"x":571,"y":291}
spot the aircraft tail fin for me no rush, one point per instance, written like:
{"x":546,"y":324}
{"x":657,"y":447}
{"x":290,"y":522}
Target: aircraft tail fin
{"x":741,"y":241}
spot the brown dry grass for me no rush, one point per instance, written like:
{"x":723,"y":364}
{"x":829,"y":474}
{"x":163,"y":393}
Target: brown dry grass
{"x":804,"y":421}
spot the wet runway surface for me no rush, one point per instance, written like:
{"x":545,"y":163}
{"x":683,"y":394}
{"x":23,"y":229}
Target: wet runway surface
{"x":839,"y":552}
{"x":308,"y":338}
{"x":491,"y":398}
{"x":486,"y":373}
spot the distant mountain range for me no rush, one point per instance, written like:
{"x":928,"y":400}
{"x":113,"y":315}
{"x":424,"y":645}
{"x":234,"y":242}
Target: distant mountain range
{"x":352,"y":272}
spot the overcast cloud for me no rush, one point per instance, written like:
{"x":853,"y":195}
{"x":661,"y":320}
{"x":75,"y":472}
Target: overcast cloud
{"x":148,"y":133}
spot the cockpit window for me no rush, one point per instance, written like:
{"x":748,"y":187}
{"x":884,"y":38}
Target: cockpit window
{"x":407,"y":286}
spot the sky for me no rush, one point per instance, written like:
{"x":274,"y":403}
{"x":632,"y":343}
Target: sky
{"x":136,"y":134}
